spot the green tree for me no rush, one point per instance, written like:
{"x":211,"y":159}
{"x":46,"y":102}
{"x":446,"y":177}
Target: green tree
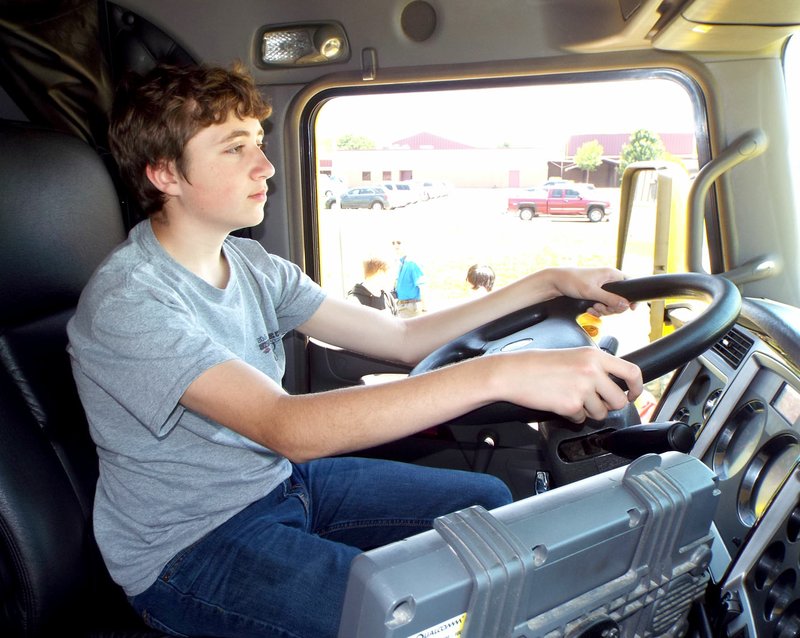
{"x":643,"y":145}
{"x":350,"y":142}
{"x":589,"y":156}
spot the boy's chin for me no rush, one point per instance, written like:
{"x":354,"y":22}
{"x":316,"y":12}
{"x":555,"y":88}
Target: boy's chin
{"x":254,"y":220}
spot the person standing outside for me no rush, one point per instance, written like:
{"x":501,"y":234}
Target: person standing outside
{"x":372,"y":290}
{"x":410,"y":284}
{"x":480,"y":278}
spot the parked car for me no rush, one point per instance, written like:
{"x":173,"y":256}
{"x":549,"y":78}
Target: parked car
{"x":365,"y":197}
{"x":434,"y":189}
{"x":409,"y":191}
{"x":329,"y":190}
{"x":400,"y":193}
{"x":557,"y":181}
{"x":327,"y":201}
{"x":331,"y":186}
{"x":560,"y":200}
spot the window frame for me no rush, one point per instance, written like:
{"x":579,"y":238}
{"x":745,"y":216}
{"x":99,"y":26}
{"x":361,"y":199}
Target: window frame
{"x":317,"y":98}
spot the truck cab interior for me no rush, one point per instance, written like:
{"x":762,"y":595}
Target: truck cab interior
{"x":693,"y":105}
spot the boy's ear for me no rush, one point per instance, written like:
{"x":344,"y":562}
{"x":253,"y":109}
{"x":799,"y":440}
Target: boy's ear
{"x":164,"y":176}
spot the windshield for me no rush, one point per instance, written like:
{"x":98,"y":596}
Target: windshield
{"x":467,"y":156}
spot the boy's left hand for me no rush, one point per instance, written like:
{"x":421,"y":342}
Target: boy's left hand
{"x":586,"y":283}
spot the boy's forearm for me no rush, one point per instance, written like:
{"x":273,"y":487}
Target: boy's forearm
{"x":433,"y":330}
{"x":408,"y":341}
{"x":341,"y":421}
{"x":576,"y":383}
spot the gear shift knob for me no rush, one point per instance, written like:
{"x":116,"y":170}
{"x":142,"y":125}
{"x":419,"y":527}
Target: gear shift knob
{"x":635,"y":440}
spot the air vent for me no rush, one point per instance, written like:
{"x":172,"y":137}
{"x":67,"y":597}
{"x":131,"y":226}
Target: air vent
{"x":733,"y":347}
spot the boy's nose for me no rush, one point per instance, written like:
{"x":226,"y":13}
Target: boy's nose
{"x":265,"y":168}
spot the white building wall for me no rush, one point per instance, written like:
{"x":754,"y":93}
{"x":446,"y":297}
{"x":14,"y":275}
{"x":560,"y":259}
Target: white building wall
{"x":466,"y":168}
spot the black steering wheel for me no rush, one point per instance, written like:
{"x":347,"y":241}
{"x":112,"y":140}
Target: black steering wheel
{"x":552,"y":324}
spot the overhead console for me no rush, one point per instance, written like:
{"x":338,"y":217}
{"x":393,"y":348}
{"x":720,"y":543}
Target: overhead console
{"x":710,"y":25}
{"x":688,"y":25}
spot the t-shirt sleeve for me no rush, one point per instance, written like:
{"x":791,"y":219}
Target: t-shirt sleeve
{"x":144,"y":351}
{"x":295,"y":294}
{"x":140,"y":338}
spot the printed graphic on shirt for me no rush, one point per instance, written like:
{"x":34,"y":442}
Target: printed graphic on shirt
{"x":267,"y":343}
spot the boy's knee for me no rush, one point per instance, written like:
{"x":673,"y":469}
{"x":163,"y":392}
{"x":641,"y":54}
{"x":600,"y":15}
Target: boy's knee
{"x":493,"y":492}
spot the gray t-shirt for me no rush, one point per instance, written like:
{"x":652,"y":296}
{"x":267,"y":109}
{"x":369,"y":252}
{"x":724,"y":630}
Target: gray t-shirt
{"x":145,"y":328}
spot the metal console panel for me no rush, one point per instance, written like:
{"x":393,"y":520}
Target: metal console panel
{"x":620,"y":554}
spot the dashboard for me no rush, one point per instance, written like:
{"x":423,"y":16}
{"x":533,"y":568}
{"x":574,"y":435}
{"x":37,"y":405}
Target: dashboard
{"x":742,"y":398}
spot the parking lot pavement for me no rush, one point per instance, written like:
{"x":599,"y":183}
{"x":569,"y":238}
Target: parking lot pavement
{"x":449,"y":234}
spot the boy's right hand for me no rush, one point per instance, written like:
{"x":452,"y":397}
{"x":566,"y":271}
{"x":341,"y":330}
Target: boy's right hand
{"x":575,"y":383}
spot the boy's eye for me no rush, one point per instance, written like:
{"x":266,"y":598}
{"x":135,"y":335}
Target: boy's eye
{"x":236,"y":150}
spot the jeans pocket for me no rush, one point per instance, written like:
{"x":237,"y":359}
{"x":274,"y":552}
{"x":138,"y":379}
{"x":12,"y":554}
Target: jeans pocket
{"x":296,"y":489}
{"x":174,"y":563}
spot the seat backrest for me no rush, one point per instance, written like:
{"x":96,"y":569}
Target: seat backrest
{"x":59,"y":217}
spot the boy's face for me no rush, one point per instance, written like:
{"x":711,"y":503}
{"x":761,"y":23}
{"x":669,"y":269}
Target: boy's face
{"x":226,"y":175}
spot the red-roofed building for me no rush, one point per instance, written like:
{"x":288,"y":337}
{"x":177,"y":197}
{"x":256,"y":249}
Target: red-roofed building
{"x":429,"y":142}
{"x":680,"y":145}
{"x":425,"y":156}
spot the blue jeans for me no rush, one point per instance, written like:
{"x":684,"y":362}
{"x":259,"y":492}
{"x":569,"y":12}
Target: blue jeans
{"x":279,"y":568}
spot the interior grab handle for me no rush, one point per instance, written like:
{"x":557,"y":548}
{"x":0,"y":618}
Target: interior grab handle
{"x":747,"y":146}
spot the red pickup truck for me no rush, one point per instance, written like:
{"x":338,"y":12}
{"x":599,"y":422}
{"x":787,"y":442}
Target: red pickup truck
{"x":559,"y":200}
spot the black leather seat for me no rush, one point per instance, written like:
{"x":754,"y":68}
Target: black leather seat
{"x":59,"y":217}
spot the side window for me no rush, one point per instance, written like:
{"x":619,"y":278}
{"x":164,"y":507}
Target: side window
{"x":556,"y":192}
{"x":571,"y":193}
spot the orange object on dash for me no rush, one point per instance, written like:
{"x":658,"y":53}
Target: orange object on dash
{"x":590,"y":324}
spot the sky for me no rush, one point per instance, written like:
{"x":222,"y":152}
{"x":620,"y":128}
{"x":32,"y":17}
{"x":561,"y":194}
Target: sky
{"x":518,"y":116}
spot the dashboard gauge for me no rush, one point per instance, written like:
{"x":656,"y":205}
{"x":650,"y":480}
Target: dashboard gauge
{"x":739,"y":439}
{"x":765,"y":474}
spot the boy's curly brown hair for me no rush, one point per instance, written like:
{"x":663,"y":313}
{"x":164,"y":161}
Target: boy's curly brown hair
{"x":156,"y":114}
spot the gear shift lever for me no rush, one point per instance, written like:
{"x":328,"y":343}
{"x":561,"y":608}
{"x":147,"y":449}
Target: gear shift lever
{"x":635,"y":440}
